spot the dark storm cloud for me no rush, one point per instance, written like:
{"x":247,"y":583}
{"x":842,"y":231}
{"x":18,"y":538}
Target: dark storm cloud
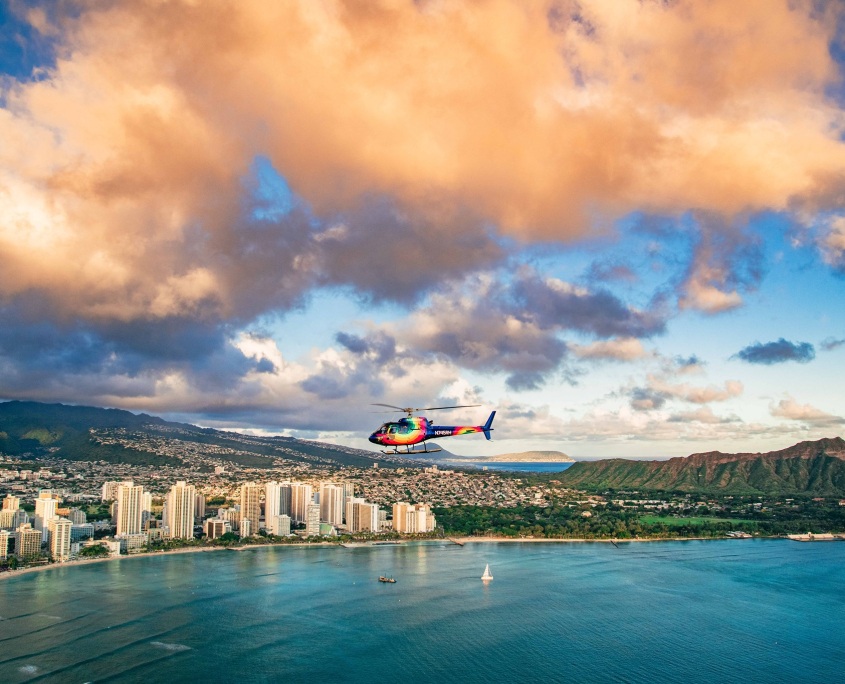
{"x":777,"y":352}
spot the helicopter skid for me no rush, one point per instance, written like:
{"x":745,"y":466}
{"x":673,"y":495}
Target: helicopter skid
{"x":409,"y":451}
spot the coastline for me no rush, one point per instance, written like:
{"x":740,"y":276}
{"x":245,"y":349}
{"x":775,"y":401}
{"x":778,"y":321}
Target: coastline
{"x":460,"y":541}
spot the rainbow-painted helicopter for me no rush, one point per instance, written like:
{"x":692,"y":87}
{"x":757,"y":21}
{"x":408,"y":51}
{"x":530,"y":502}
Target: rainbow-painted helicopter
{"x":402,"y":435}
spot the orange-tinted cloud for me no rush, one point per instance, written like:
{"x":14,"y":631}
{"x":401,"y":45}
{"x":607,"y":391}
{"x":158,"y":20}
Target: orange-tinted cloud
{"x":121,"y":173}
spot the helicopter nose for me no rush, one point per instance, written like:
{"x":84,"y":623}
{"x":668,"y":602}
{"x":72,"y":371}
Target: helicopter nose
{"x":374,"y":438}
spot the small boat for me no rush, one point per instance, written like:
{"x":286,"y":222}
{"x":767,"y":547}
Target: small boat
{"x":487,"y":576}
{"x":389,"y":580}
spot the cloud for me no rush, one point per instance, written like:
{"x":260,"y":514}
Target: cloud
{"x":553,"y":303}
{"x":790,"y":409}
{"x":777,"y":352}
{"x":832,"y":244}
{"x":658,"y":391}
{"x":379,"y":346}
{"x":727,"y":261}
{"x":421,"y":144}
{"x":519,"y":327}
{"x":831,"y":343}
{"x":646,"y":399}
{"x":701,"y":415}
{"x":620,"y":349}
{"x":390,"y":253}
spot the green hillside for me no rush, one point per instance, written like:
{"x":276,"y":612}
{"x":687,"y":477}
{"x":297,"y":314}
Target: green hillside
{"x":33,"y":428}
{"x":808,"y":468}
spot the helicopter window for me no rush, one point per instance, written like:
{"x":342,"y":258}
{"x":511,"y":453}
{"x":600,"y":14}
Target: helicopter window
{"x":393,"y":429}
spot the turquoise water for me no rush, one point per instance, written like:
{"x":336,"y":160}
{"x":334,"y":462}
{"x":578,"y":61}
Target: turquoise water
{"x":718,"y":611}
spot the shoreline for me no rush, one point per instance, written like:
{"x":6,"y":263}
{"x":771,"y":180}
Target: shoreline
{"x":459,"y":541}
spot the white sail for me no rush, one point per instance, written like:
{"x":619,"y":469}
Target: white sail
{"x":487,"y":576}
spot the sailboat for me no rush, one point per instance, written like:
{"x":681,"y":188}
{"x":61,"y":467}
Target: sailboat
{"x":486,"y":577}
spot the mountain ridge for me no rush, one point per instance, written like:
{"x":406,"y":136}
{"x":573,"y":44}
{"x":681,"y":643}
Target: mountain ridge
{"x":810,"y":467}
{"x":74,"y":433}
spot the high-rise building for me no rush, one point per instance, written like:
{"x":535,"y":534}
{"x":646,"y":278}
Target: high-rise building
{"x":272,"y":501}
{"x":312,"y":520}
{"x":80,"y":532}
{"x":45,"y":511}
{"x":109,"y":491}
{"x":231,"y":515}
{"x":27,"y":541}
{"x":130,"y":502}
{"x":199,"y":507}
{"x":276,"y":505}
{"x":59,"y":542}
{"x":146,"y":507}
{"x":279,"y":525}
{"x":181,"y":501}
{"x":5,"y":536}
{"x":413,"y":518}
{"x":331,"y":503}
{"x":77,"y":517}
{"x":362,"y":516}
{"x":215,"y":527}
{"x":250,"y":506}
{"x":368,"y":519}
{"x":285,"y":498}
{"x":301,"y":496}
{"x":11,"y":503}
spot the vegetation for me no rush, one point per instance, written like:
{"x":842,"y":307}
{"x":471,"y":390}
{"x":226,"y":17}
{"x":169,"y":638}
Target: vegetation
{"x":809,"y":468}
{"x":30,"y":429}
{"x":98,"y":551}
{"x":567,"y":521}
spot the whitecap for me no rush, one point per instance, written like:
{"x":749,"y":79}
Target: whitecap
{"x":28,"y":669}
{"x":170,"y":647}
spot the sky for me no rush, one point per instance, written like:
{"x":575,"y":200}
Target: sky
{"x":618,"y":223}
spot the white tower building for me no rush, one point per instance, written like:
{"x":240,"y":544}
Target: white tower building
{"x":331,"y":503}
{"x":251,"y":506}
{"x":59,"y":533}
{"x":312,"y":520}
{"x":45,"y":511}
{"x":181,"y":501}
{"x":130,"y":503}
{"x":300,"y":495}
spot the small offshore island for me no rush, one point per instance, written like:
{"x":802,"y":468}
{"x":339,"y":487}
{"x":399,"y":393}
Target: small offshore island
{"x":521,"y":457}
{"x":81,"y":483}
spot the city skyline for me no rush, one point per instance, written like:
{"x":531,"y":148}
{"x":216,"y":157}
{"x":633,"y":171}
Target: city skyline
{"x":620,"y":225}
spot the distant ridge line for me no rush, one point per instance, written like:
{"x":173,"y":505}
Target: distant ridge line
{"x":810,"y":467}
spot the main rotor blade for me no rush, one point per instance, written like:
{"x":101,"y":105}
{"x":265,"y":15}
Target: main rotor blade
{"x":398,"y":408}
{"x":425,"y":408}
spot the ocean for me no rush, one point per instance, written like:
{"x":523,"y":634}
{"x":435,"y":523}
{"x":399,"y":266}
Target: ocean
{"x":697,"y":611}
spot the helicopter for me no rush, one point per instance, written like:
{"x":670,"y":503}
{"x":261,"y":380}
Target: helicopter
{"x":401,"y":436}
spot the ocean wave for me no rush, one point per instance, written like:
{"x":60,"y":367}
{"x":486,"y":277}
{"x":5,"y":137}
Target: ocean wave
{"x":170,"y":647}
